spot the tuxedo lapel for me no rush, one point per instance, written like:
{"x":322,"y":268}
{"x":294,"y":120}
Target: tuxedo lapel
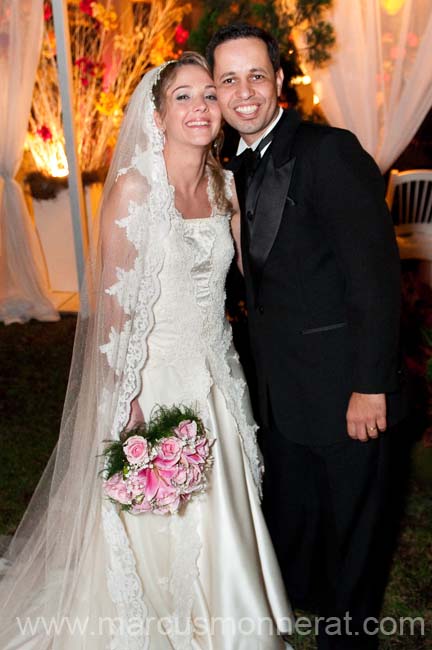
{"x":262,"y":205}
{"x":268,"y":192}
{"x":269,"y":210}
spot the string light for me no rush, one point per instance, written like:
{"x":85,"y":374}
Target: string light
{"x":304,"y":80}
{"x":392,"y":7}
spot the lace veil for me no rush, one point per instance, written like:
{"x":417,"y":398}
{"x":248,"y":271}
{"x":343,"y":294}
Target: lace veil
{"x":60,"y":543}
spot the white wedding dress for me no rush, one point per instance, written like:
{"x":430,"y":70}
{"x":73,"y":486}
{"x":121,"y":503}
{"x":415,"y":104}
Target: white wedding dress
{"x":215,"y":563}
{"x":205,"y":579}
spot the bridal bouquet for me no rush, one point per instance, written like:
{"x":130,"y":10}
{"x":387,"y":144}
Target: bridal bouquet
{"x":159,"y":466}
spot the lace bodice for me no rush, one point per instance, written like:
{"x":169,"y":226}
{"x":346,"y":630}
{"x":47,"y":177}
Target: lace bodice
{"x":180,"y":313}
{"x":189,"y":314}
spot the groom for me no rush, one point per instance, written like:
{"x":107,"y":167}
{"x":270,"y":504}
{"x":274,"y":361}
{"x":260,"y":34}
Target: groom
{"x":322,"y":280}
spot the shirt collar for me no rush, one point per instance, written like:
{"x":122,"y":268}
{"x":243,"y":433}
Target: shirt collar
{"x":242,"y":144}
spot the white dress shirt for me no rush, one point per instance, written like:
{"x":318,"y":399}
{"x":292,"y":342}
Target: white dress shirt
{"x":242,"y":144}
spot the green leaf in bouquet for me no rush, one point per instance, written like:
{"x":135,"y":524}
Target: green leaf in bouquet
{"x":115,"y":459}
{"x":164,"y":419}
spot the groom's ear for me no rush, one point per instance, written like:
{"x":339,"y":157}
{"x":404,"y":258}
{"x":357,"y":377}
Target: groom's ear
{"x":279,"y":81}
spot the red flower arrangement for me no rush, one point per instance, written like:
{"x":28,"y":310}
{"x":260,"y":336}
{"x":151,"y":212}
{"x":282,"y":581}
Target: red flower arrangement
{"x":47,"y":11}
{"x":109,"y":59}
{"x":86,"y":7}
{"x":181,"y":35}
{"x":45,"y":133}
{"x":88,"y":69}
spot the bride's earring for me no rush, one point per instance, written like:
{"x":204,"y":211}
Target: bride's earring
{"x":159,"y":139}
{"x":216,"y":145}
{"x":159,"y":133}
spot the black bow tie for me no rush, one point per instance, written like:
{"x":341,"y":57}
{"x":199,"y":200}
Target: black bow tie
{"x":250,"y":158}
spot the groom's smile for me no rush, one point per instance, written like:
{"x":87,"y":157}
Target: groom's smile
{"x":247,"y":109}
{"x":247,"y":86}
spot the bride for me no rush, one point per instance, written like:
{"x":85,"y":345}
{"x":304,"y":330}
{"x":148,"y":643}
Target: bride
{"x":85,"y":575}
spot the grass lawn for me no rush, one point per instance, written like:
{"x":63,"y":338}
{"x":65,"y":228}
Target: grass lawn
{"x":34,"y":368}
{"x":34,"y":365}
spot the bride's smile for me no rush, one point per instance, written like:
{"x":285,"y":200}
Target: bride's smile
{"x":190,"y":114}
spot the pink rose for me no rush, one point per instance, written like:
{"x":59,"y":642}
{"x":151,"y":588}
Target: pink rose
{"x":180,"y":476}
{"x":186,"y":430}
{"x":190,"y":455}
{"x":195,"y":478}
{"x":203,"y":449}
{"x":116,"y":488}
{"x":169,"y":453}
{"x":136,"y":450}
{"x":167,"y":494}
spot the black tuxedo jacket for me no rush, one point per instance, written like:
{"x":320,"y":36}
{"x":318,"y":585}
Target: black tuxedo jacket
{"x":322,"y":280}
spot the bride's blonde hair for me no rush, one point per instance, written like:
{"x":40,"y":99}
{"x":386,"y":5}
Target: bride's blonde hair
{"x":160,"y":88}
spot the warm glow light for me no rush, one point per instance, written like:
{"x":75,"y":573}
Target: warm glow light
{"x":50,"y":157}
{"x":107,"y":65}
{"x":305,"y":80}
{"x":316,"y":100}
{"x":392,"y":6}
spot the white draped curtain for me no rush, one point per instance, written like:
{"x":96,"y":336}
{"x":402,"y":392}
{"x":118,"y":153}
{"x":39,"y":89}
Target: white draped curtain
{"x":23,"y":288}
{"x":379,"y":84}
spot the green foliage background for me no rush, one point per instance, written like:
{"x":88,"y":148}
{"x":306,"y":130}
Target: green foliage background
{"x":319,"y":33}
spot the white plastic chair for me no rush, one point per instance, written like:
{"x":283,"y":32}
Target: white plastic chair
{"x":409,"y":198}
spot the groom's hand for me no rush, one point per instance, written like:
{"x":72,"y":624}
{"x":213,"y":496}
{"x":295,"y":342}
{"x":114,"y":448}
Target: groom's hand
{"x":366,"y":416}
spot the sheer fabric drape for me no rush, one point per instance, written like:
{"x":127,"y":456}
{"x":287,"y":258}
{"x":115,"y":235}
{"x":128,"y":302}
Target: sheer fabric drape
{"x":61,"y":548}
{"x":23,"y":290}
{"x":379,"y":84}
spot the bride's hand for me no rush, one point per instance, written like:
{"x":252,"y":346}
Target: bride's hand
{"x":136,"y":415}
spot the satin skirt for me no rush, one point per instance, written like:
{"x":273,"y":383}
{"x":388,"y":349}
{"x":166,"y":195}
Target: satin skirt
{"x":209,"y":576}
{"x":213,"y":566}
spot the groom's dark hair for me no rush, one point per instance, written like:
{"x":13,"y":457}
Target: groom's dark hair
{"x":243,"y":30}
